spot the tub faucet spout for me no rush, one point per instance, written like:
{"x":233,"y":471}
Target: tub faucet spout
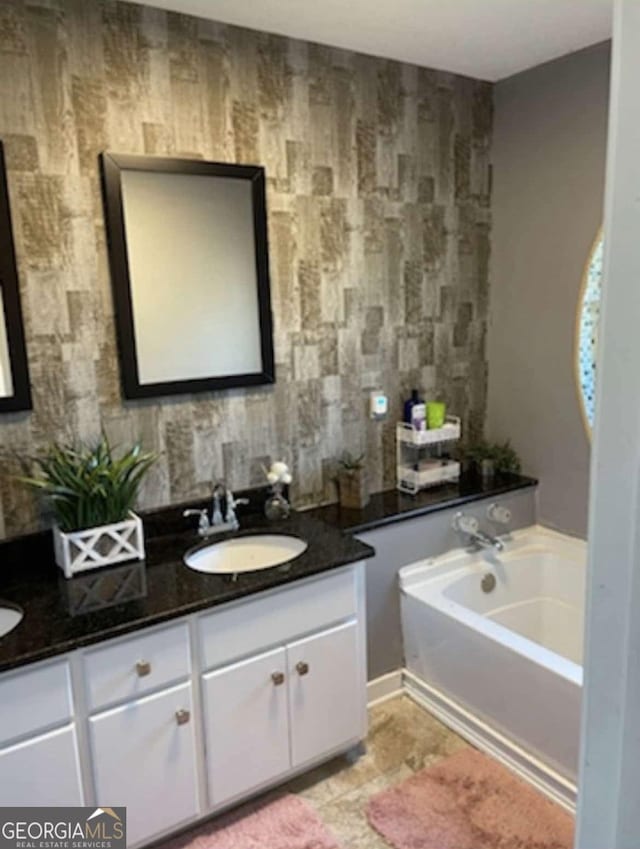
{"x":487,"y":541}
{"x":470,"y":526}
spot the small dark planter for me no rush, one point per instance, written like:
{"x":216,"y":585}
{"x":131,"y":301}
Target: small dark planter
{"x":353,"y":487}
{"x":487,"y":470}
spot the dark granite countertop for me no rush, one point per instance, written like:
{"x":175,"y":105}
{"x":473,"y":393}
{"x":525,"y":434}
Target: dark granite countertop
{"x":391,"y":506}
{"x":61,"y":615}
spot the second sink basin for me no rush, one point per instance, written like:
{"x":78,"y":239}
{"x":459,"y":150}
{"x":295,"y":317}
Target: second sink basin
{"x":9,"y":617}
{"x":245,"y":554}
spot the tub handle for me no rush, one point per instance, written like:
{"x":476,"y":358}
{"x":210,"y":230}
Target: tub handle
{"x":465,"y":524}
{"x":499,"y":513}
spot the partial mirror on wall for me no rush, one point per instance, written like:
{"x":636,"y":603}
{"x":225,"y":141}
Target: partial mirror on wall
{"x":15,"y":393}
{"x":588,"y":322}
{"x":190,"y":273}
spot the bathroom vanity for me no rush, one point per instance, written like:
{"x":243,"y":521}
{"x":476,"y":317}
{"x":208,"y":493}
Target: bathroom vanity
{"x":178,"y":693}
{"x":179,"y":718}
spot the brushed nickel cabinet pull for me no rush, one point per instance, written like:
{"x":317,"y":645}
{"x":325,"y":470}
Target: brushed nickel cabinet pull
{"x":183,"y":716}
{"x":143,"y":667}
{"x":302,"y":668}
{"x":277,"y":678}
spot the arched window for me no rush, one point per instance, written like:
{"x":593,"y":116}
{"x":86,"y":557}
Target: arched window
{"x":587,"y":331}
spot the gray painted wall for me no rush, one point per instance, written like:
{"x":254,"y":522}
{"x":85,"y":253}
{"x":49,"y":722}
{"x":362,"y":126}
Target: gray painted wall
{"x":549,"y":157}
{"x":405,"y":542}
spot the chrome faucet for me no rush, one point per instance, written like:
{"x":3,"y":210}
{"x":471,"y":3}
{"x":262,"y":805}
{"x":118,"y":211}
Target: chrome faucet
{"x":204,"y":525}
{"x":483,"y":540}
{"x":217,"y":524}
{"x":470,"y":526}
{"x":230,"y":519}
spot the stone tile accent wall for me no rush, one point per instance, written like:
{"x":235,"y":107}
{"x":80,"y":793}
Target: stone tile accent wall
{"x":379,"y":221}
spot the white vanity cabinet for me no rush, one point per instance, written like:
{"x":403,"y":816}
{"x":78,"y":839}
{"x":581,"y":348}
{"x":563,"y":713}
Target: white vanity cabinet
{"x":141,"y":728}
{"x":272,"y":714}
{"x":180,"y":720}
{"x":144,"y":757}
{"x":325,"y":693}
{"x":123,"y":670}
{"x":246,"y":725}
{"x":269,"y":714}
{"x":42,"y":770}
{"x":39,"y":756}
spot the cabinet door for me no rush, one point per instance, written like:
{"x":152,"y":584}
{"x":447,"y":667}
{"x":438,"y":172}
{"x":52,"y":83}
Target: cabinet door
{"x":43,"y":770}
{"x":246,"y":725}
{"x":327,"y":693}
{"x":144,"y":757}
{"x":32,"y":700}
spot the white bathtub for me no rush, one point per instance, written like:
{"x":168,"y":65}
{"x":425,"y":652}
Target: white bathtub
{"x":504,"y":665}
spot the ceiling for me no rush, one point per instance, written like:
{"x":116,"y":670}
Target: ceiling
{"x":488,"y":39}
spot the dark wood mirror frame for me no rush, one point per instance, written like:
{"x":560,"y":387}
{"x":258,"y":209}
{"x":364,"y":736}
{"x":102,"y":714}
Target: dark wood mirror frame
{"x":112,"y":167}
{"x":21,"y":397}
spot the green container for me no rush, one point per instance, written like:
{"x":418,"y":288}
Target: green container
{"x":436,"y":411}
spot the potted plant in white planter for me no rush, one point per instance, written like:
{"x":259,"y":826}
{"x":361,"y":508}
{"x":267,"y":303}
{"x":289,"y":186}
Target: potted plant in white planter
{"x":92,"y":493}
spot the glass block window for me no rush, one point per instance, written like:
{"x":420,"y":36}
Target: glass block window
{"x":588,"y":329}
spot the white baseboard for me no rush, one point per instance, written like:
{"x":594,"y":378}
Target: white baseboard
{"x":385,"y":687}
{"x":485,"y":738}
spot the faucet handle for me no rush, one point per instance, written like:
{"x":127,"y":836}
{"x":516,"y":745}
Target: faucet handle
{"x":499,"y":513}
{"x":231,"y":503}
{"x":203,"y":519}
{"x":465,"y":524}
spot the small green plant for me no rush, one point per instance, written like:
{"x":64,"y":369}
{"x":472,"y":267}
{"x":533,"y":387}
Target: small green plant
{"x":502,"y":455}
{"x":352,"y":480}
{"x":350,"y":463}
{"x":88,"y":486}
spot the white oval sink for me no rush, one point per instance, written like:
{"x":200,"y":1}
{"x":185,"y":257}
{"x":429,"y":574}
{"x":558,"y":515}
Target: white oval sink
{"x":9,"y":618}
{"x":245,"y":554}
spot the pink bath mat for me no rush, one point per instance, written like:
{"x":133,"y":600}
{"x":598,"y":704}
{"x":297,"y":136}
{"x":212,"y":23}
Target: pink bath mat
{"x":469,"y":801}
{"x":286,"y":823}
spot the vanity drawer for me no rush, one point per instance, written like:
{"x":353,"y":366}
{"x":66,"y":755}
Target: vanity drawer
{"x":253,"y":625}
{"x":131,"y":667}
{"x":34,"y":699}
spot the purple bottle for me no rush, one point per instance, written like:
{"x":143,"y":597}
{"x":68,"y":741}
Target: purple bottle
{"x":409,"y":404}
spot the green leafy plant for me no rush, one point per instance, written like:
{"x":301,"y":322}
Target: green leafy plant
{"x":502,"y":454}
{"x":350,"y":463}
{"x":352,"y":481}
{"x":88,"y":486}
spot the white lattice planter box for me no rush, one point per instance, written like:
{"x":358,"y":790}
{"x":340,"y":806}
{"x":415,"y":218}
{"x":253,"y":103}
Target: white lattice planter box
{"x":80,"y":551}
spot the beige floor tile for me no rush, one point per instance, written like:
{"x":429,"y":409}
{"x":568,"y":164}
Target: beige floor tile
{"x":334,"y":779}
{"x":402,"y":732}
{"x":347,"y":815}
{"x":403,"y":738}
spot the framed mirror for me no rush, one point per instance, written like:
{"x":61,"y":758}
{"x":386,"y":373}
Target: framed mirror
{"x":190,"y":273}
{"x":15,"y":393}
